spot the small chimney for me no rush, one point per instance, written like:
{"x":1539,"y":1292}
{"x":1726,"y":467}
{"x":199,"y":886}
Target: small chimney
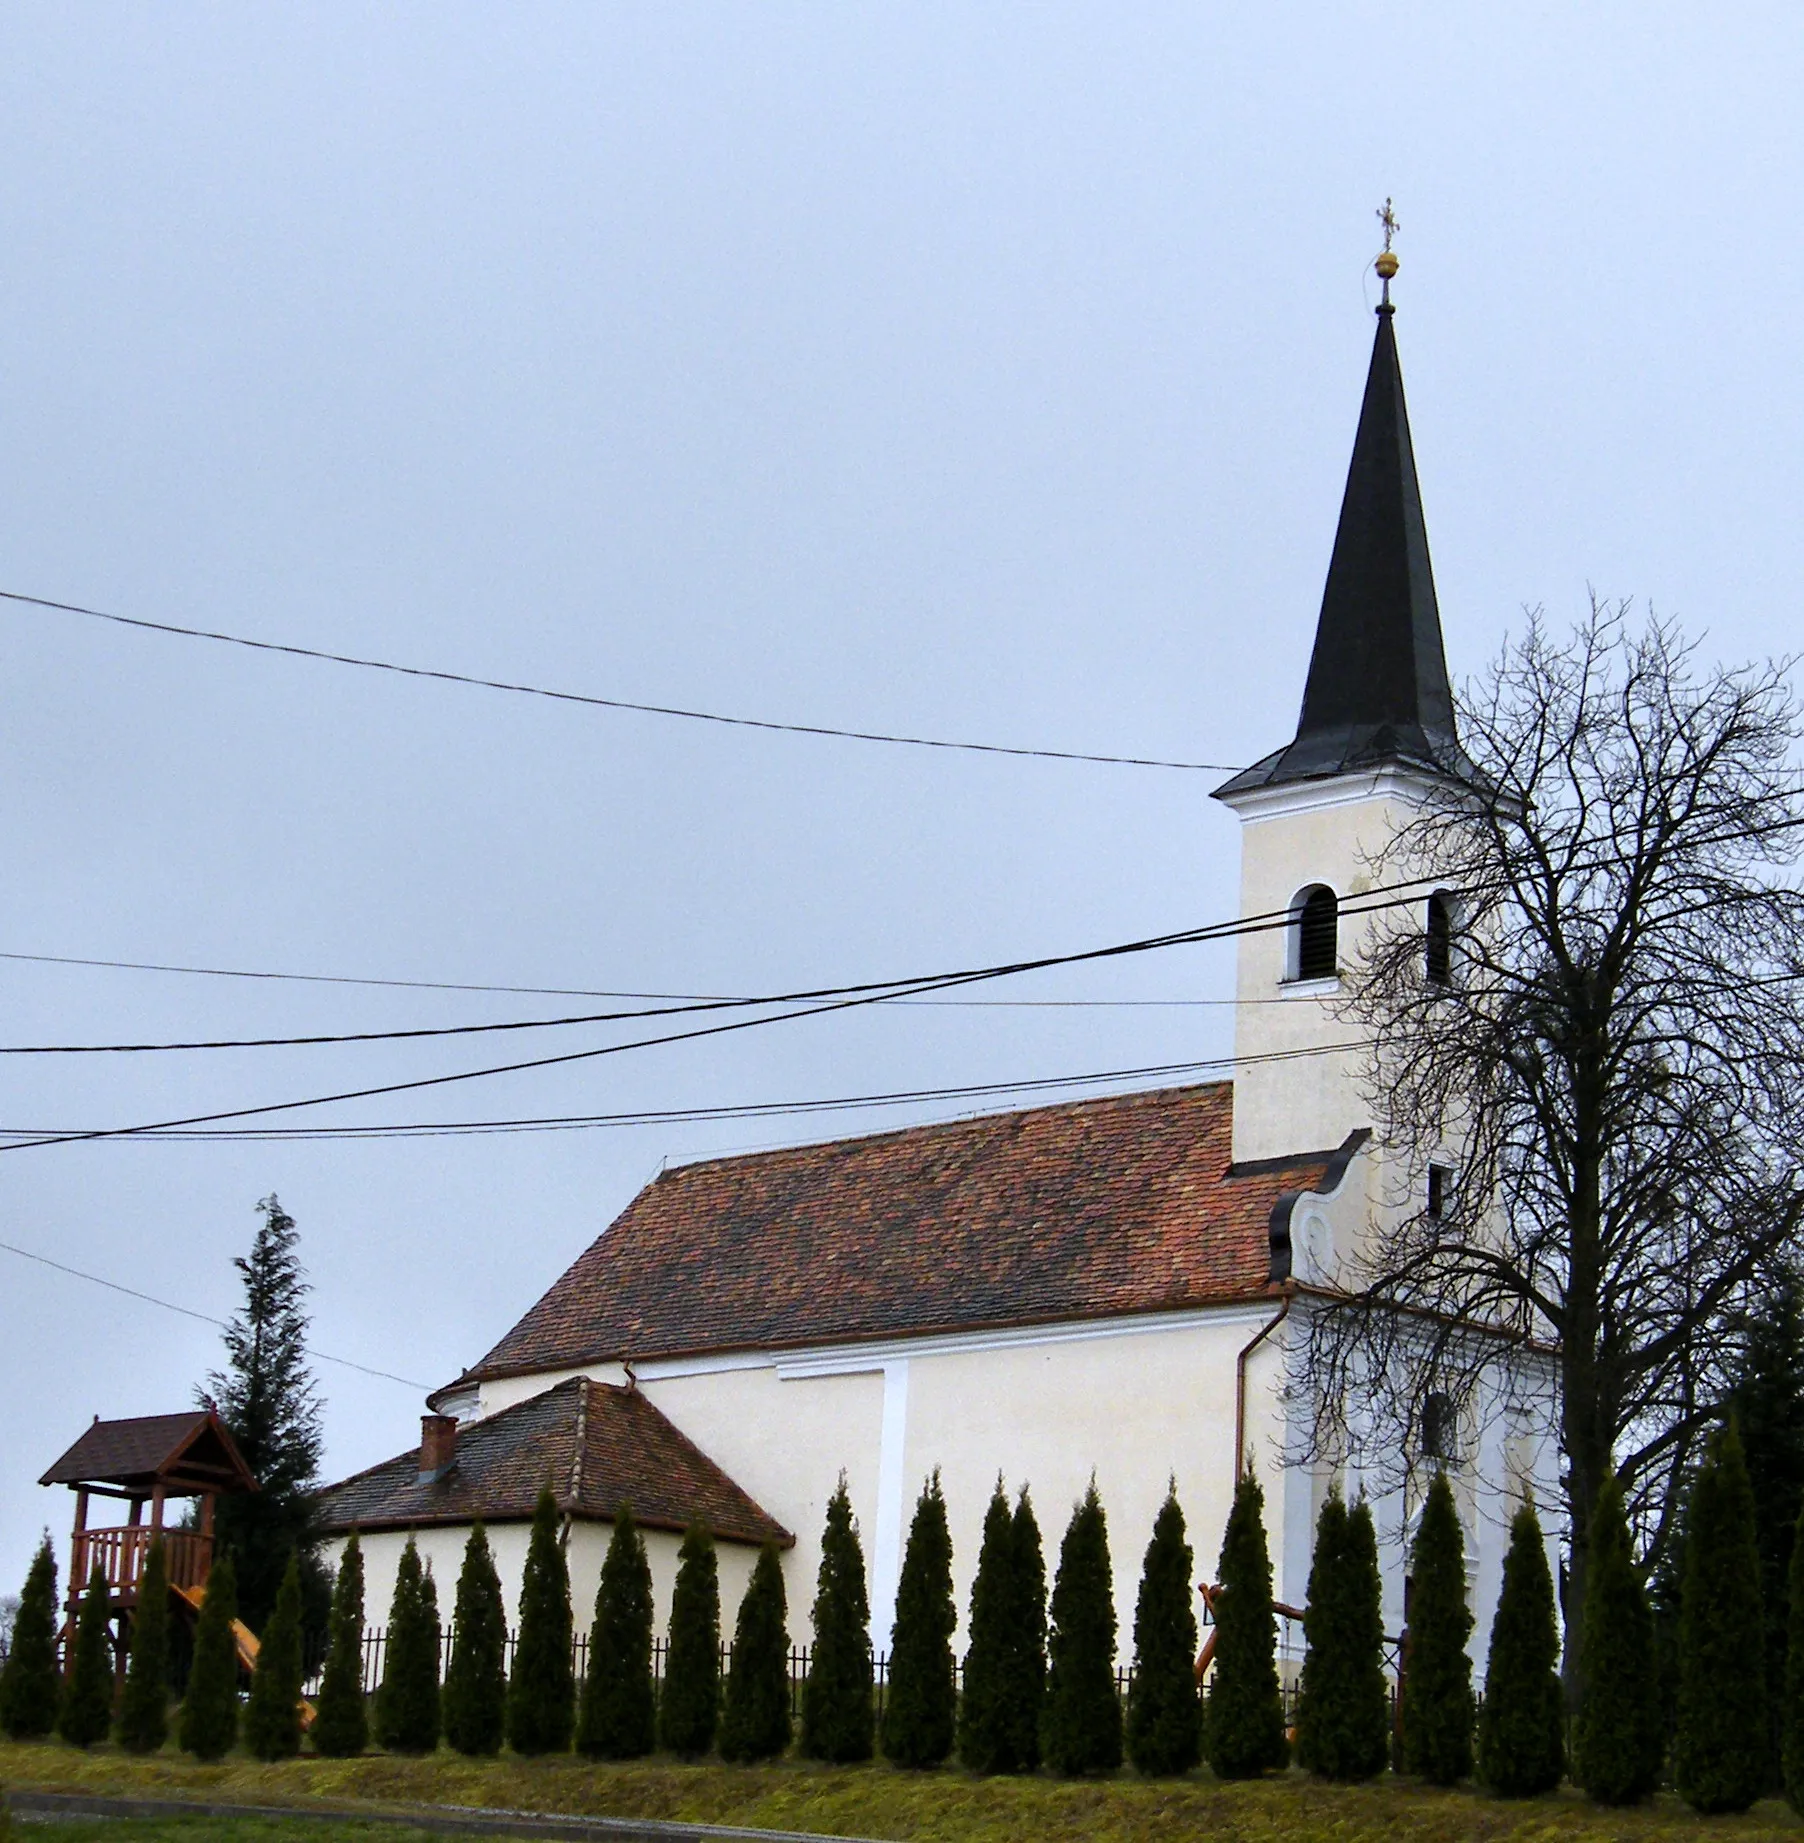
{"x":438,"y":1446}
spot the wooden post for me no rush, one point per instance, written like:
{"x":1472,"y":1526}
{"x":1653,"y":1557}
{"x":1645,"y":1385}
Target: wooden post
{"x":156,"y":1505}
{"x":137,"y":1512}
{"x":206,"y":1515}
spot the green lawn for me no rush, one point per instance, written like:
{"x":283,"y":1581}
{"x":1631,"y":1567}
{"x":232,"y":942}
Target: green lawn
{"x":948,"y":1806}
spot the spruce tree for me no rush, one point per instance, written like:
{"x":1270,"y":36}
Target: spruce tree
{"x":618,"y":1718}
{"x":1438,"y":1707}
{"x":341,"y":1722}
{"x":87,"y":1706}
{"x":541,"y":1694}
{"x":689,"y":1708}
{"x":920,"y":1714}
{"x":475,"y":1699}
{"x":1165,"y":1713}
{"x":407,"y":1703}
{"x":755,"y":1724}
{"x":1081,"y":1724}
{"x":838,"y":1703}
{"x":1243,"y":1729}
{"x":983,"y":1711}
{"x":1521,"y":1735}
{"x":1342,"y":1711}
{"x":1792,"y":1730}
{"x":1616,"y":1742}
{"x":144,"y":1706}
{"x":1720,"y":1750}
{"x":209,"y":1719}
{"x":29,"y":1685}
{"x":1026,"y":1681}
{"x":272,"y":1723}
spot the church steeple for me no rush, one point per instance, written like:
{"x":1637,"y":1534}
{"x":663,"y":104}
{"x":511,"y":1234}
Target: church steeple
{"x":1377,"y":694}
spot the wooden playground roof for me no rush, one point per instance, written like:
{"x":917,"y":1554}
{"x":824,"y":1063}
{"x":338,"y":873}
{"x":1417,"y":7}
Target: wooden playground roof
{"x":184,"y":1453}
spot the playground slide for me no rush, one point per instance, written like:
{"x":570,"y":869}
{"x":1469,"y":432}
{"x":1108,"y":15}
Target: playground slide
{"x":244,"y":1640}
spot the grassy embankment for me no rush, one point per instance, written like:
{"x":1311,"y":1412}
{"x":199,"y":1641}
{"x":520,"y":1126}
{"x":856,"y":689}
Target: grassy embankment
{"x":874,"y":1801}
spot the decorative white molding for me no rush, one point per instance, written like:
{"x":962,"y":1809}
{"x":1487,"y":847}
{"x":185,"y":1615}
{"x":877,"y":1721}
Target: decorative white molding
{"x":886,"y":1556}
{"x":1288,"y":797}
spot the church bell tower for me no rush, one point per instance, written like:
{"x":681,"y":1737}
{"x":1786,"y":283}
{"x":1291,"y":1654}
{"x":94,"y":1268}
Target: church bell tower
{"x":1375,"y":735}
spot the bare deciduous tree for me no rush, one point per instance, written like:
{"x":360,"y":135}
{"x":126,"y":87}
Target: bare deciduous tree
{"x":1610,"y":1060}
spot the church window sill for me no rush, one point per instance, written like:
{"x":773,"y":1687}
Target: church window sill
{"x":1308,"y":988}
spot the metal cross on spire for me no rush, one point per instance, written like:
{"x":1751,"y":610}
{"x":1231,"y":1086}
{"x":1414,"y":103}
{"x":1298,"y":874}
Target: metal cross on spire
{"x":1386,"y":265}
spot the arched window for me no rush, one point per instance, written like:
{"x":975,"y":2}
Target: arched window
{"x":1438,"y":965}
{"x":1440,"y":1428}
{"x":1315,"y":934}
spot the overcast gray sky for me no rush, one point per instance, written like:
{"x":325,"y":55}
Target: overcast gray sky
{"x":975,"y":371}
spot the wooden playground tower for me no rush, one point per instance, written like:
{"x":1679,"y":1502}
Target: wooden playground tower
{"x":145,"y":1463}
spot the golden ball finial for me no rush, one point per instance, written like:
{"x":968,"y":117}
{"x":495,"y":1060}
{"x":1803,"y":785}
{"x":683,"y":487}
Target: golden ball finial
{"x":1386,"y":265}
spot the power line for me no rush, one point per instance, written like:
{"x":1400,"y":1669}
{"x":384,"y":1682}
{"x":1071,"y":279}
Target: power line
{"x":169,"y":1305}
{"x":576,"y":697}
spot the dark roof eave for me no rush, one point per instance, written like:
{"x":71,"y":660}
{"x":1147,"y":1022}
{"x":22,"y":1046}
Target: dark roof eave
{"x":458,"y":1518}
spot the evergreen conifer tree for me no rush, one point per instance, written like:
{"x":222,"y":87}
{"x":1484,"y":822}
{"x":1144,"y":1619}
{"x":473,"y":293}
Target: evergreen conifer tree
{"x":1792,"y":1731}
{"x":1521,"y":1729}
{"x":1165,"y":1714}
{"x":1081,"y":1726}
{"x":475,"y":1699}
{"x":87,"y":1706}
{"x":1438,"y":1708}
{"x":29,"y":1685}
{"x":1243,"y":1728}
{"x":407,"y":1701}
{"x":618,"y":1717}
{"x":1026,"y":1682}
{"x":755,"y":1724}
{"x":272,"y":1723}
{"x":983,"y":1711}
{"x":144,"y":1706}
{"x":689,"y":1708}
{"x":341,"y":1722}
{"x":541,"y":1694}
{"x":209,"y":1719}
{"x":1342,"y":1712}
{"x":1616,"y":1744}
{"x":838,"y":1704}
{"x":920,"y":1715}
{"x":1720,"y":1750}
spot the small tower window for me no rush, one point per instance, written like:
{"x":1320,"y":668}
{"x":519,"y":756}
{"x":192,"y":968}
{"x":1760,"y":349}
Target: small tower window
{"x":1440,"y":1428}
{"x":1440,"y":1191}
{"x":1439,"y":959}
{"x":1316,"y":933}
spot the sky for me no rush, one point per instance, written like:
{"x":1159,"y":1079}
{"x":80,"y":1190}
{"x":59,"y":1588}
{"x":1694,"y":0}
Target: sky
{"x":982,"y":373}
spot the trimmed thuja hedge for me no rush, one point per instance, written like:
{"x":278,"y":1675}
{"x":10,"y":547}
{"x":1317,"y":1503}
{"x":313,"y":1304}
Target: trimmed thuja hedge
{"x":1081,"y":1727}
{"x":1243,"y":1728}
{"x":407,"y":1704}
{"x":920,"y":1713}
{"x":618,"y":1718}
{"x":29,"y":1685}
{"x":474,"y":1701}
{"x":1165,"y":1713}
{"x":1343,"y":1712}
{"x":272,"y":1723}
{"x":1438,"y":1708}
{"x":689,"y":1708}
{"x":1521,"y":1741}
{"x":209,"y":1721}
{"x":755,"y":1724}
{"x":87,"y":1710}
{"x":1617,"y":1744}
{"x":541,"y":1694}
{"x":838,"y":1700}
{"x":144,"y":1705}
{"x":341,"y":1724}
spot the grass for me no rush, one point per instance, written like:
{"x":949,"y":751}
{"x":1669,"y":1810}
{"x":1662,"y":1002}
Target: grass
{"x":948,"y":1806}
{"x":213,"y":1830}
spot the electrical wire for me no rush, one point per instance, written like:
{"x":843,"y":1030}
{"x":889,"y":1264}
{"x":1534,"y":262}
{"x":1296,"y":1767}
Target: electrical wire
{"x":575,"y":697}
{"x":169,"y":1305}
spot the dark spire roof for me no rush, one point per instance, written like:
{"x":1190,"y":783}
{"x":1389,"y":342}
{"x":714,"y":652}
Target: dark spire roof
{"x":1377,"y":694}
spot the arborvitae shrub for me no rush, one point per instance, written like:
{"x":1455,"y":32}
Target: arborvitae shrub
{"x":29,"y":1685}
{"x":1791,"y":1736}
{"x":1719,"y":1753}
{"x":1438,"y":1707}
{"x":272,"y":1723}
{"x":144,"y":1706}
{"x":689,"y":1708}
{"x":755,"y":1724}
{"x":1616,"y":1744}
{"x":838,"y":1705}
{"x":1081,"y":1725}
{"x":1521,"y":1738}
{"x":1343,"y":1714}
{"x":618,"y":1719}
{"x":87,"y":1709}
{"x":209,"y":1720}
{"x":341,"y":1723}
{"x":541,"y":1695}
{"x":1243,"y":1729}
{"x":1026,"y":1682}
{"x":1165,"y":1714}
{"x":475,"y":1698}
{"x":921,"y":1712}
{"x":407,"y":1704}
{"x":983,"y":1711}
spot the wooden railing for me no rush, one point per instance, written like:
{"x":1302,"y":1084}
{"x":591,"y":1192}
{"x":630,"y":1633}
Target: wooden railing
{"x":121,"y":1554}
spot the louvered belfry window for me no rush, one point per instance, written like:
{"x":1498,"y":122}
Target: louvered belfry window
{"x":1318,"y":935}
{"x":1439,"y":962}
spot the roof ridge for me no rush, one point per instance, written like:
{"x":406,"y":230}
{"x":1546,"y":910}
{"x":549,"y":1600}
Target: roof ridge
{"x":579,"y":1442}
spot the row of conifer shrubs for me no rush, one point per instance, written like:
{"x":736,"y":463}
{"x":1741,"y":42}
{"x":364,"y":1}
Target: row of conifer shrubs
{"x":1039,"y":1680}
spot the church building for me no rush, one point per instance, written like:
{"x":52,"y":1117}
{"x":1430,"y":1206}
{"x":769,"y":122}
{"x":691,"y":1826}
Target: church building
{"x":1110,"y":1288}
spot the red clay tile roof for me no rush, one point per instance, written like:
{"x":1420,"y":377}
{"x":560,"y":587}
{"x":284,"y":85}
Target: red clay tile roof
{"x":598,"y":1447}
{"x":185,"y":1452}
{"x":1084,"y":1210}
